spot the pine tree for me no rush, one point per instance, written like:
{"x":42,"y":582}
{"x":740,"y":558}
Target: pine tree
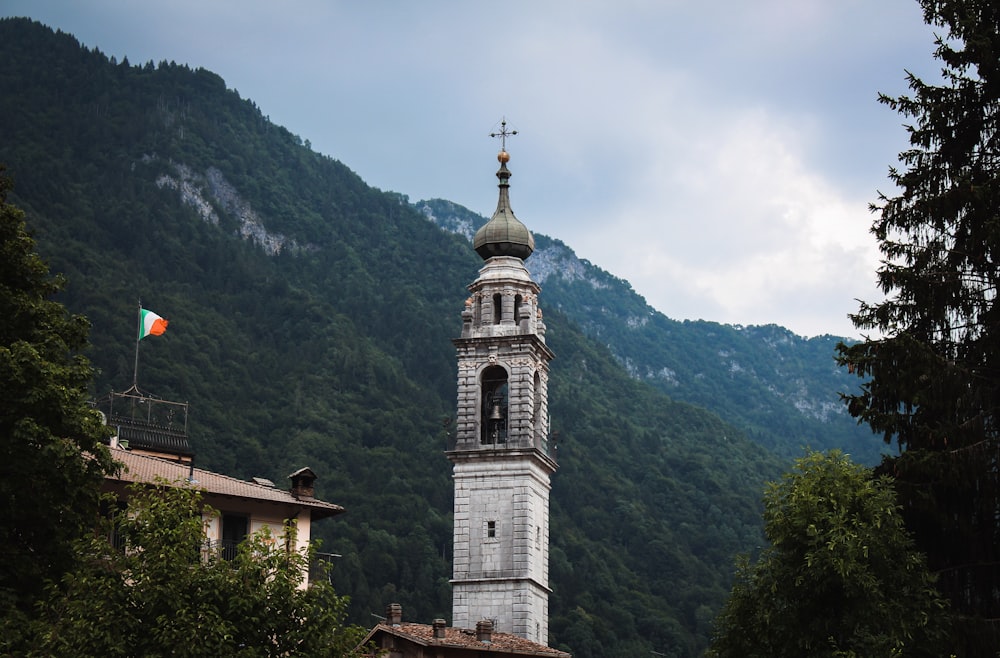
{"x":932,"y":375}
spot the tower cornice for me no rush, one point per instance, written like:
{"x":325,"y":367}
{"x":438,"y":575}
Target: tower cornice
{"x":503,"y":579}
{"x":497,"y":455}
{"x":503,"y":340}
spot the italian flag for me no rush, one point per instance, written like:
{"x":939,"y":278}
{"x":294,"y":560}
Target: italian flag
{"x":150,"y":324}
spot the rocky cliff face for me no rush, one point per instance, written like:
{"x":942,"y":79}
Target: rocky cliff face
{"x":210,"y":193}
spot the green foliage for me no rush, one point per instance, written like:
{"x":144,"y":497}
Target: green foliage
{"x":336,"y":355}
{"x":51,"y":457}
{"x":645,"y":519}
{"x":933,"y":377}
{"x":841,"y":578}
{"x":159,"y":592}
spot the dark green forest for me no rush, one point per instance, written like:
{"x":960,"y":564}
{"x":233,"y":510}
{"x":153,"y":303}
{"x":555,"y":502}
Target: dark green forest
{"x":310,"y":325}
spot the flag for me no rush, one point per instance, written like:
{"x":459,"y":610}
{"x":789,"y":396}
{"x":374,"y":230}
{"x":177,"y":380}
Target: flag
{"x":150,"y":324}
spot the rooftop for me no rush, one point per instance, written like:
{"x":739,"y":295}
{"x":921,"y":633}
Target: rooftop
{"x":504,"y":234}
{"x":146,"y":469}
{"x":461,"y":638}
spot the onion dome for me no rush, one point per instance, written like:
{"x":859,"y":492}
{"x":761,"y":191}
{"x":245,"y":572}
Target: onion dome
{"x":504,"y":235}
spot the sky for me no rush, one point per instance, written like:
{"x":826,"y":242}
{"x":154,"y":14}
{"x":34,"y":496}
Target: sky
{"x":719,"y":155}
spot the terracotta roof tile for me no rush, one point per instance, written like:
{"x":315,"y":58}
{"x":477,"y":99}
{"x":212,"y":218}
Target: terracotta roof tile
{"x":144,"y":468}
{"x":466,"y":639}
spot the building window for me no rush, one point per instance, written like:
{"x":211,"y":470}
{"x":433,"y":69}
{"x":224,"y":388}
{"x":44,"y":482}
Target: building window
{"x":234,"y":531}
{"x":491,"y":531}
{"x":114,"y":514}
{"x":497,"y":308}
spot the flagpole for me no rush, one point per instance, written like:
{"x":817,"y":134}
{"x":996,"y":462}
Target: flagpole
{"x":138,"y":333}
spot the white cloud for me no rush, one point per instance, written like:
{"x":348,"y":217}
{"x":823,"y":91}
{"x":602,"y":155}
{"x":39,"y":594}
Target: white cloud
{"x":739,"y":230}
{"x":718,"y":155}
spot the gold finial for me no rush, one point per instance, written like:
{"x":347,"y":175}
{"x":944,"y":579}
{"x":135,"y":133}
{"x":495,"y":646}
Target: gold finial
{"x":503,"y":156}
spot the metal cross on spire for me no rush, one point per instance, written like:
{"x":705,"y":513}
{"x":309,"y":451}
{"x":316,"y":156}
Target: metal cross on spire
{"x":503,"y":134}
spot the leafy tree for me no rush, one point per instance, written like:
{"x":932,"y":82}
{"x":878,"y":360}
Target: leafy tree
{"x":932,"y":380}
{"x":52,"y":459}
{"x":840,"y":578}
{"x":158,"y":591}
{"x":337,"y":355}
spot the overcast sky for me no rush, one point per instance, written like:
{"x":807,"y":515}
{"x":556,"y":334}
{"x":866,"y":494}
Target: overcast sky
{"x":720,"y":155}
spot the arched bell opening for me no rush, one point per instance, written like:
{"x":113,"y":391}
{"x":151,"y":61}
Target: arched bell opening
{"x":495,"y":409}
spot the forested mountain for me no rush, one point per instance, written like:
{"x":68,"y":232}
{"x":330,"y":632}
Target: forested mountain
{"x":781,"y":389}
{"x":310,"y":324}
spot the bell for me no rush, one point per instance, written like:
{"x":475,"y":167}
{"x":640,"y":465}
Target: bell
{"x":495,"y":412}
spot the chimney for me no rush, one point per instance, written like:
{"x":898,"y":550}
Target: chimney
{"x":394,"y":614}
{"x":484,"y":631}
{"x":302,"y":483}
{"x":439,"y":626}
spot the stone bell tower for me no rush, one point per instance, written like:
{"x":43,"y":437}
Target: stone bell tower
{"x":500,"y":450}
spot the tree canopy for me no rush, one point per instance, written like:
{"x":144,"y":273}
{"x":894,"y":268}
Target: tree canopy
{"x":159,"y":591}
{"x":932,"y":375}
{"x":841,"y":577}
{"x":52,"y":459}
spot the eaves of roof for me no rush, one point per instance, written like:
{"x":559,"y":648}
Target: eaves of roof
{"x":147,"y":469}
{"x":465,"y":639}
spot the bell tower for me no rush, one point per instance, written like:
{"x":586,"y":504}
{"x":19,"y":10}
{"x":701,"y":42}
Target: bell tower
{"x":500,"y":449}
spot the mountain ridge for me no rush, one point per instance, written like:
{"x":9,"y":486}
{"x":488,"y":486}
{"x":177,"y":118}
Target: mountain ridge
{"x":785,"y":415}
{"x":336,"y":354}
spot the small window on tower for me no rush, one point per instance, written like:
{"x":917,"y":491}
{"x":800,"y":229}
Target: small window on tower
{"x":497,"y":308}
{"x":491,"y":528}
